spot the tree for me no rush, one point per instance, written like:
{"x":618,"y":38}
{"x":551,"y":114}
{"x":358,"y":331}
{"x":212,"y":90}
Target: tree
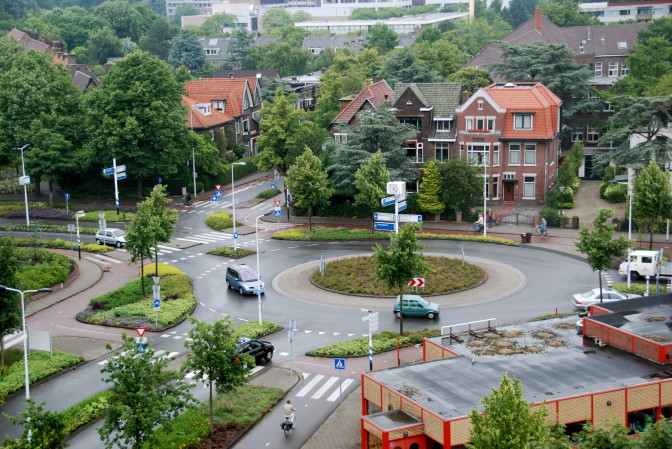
{"x":125,"y":20}
{"x":139,"y":241}
{"x":552,"y":65}
{"x":213,"y":357}
{"x":520,"y":11}
{"x":403,"y":66}
{"x":471,"y":36}
{"x":287,"y":58}
{"x":443,"y":56}
{"x":41,"y":106}
{"x":507,"y":420}
{"x":144,"y":395}
{"x":215,"y":24}
{"x":161,"y":219}
{"x":276,"y":18}
{"x":239,"y":44}
{"x":565,"y":13}
{"x":471,"y":79}
{"x":429,"y":198}
{"x":75,"y":24}
{"x":400,"y":263}
{"x":137,"y":116}
{"x":651,"y":198}
{"x":308,"y":182}
{"x":371,"y":180}
{"x":187,"y":51}
{"x":462,"y":185}
{"x":657,"y":435}
{"x":10,"y":318}
{"x":183,"y":9}
{"x":103,"y":44}
{"x":382,"y":38}
{"x":157,"y":40}
{"x":599,"y":245}
{"x":336,"y":83}
{"x":614,"y":436}
{"x":643,"y":117}
{"x":42,"y":429}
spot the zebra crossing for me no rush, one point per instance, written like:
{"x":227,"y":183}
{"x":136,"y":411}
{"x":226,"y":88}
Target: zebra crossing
{"x":319,"y":385}
{"x":208,"y":237}
{"x":159,"y":354}
{"x":102,"y":259}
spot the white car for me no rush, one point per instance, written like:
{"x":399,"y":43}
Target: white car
{"x":582,"y":300}
{"x":111,"y":236}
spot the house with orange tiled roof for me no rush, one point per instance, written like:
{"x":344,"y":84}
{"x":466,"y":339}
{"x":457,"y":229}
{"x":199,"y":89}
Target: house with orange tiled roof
{"x":203,"y":119}
{"x":371,"y":97}
{"x":511,"y":130}
{"x":239,"y":98}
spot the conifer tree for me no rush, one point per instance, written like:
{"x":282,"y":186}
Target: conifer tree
{"x":429,"y":198}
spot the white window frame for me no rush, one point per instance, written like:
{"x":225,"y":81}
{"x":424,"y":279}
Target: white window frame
{"x":219,"y":105}
{"x":469,"y":123}
{"x":341,"y":137}
{"x":577,"y":136}
{"x":495,"y":155}
{"x":478,"y":154}
{"x":592,"y":134}
{"x":606,"y":107}
{"x":480,"y":105}
{"x":530,"y":149}
{"x":495,"y":187}
{"x":520,"y":121}
{"x":624,"y":69}
{"x":613,"y":69}
{"x":443,"y":126}
{"x":237,"y":127}
{"x":526,"y":186}
{"x":514,"y":151}
{"x":598,"y":69}
{"x":439,"y":148}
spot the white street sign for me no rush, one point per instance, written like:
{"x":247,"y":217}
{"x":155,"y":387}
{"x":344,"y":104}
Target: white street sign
{"x":383,"y":216}
{"x":156,"y":290}
{"x":387,"y":201}
{"x":24,"y":180}
{"x":410,"y":218}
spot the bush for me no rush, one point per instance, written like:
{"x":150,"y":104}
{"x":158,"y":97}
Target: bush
{"x":38,"y":268}
{"x":639,"y":289}
{"x":174,"y":185}
{"x":252,"y":329}
{"x":616,"y":193}
{"x":220,"y":220}
{"x":382,"y":342}
{"x":229,"y":252}
{"x":41,"y":367}
{"x":41,"y":213}
{"x":270,"y":193}
{"x":164,"y":270}
{"x":85,"y":411}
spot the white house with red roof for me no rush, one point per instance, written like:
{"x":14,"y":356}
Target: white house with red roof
{"x":511,"y":130}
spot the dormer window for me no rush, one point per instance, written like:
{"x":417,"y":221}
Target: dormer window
{"x":219,"y":105}
{"x":522,"y":121}
{"x":622,"y":45}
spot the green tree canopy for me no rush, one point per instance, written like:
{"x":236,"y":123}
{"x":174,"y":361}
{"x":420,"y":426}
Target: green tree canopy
{"x":430,"y":196}
{"x":239,"y":46}
{"x":157,"y":41}
{"x":382,"y":38}
{"x":101,"y":45}
{"x":599,"y":244}
{"x":308,"y":184}
{"x":404,"y":66}
{"x":471,"y":79}
{"x":462,"y":185}
{"x":124,"y":19}
{"x":137,"y":117}
{"x":443,"y":56}
{"x":371,"y":180}
{"x":565,"y":13}
{"x":651,"y":200}
{"x":215,"y":24}
{"x":10,"y":318}
{"x":187,"y":51}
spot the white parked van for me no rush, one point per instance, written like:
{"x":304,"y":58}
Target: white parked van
{"x":645,"y":263}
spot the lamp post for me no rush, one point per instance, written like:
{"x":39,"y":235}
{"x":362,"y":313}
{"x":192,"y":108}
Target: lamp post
{"x":485,"y":193}
{"x":562,"y":197}
{"x":23,"y":179}
{"x":25,"y":332}
{"x":233,"y":201}
{"x":193,"y":151}
{"x":79,"y":213}
{"x":256,"y":230}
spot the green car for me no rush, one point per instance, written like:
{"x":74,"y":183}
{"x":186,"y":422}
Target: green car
{"x":415,"y":305}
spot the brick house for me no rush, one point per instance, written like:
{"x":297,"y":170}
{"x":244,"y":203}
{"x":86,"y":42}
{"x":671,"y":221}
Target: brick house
{"x":239,"y":98}
{"x":430,"y":107}
{"x":512,"y":131}
{"x":371,"y":97}
{"x":202,"y":118}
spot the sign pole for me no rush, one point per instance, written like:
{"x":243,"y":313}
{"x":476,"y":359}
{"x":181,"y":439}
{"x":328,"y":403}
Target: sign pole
{"x":116,"y":189}
{"x":370,"y":344}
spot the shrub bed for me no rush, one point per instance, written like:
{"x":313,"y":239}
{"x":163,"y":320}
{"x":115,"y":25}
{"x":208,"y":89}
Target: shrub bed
{"x":355,"y":275}
{"x":270,"y":193}
{"x":44,"y":228}
{"x":229,"y":252}
{"x":38,"y":268}
{"x":220,"y":220}
{"x":41,"y":367}
{"x":58,"y":244}
{"x":382,"y":342}
{"x":252,"y":329}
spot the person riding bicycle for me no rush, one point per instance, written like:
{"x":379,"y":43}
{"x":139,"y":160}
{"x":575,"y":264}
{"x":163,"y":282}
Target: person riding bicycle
{"x":542,"y":226}
{"x":489,"y":221}
{"x":479,"y":223}
{"x":187,"y":199}
{"x":288,"y":410}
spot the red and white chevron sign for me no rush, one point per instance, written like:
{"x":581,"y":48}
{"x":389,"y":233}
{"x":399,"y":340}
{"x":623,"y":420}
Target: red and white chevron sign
{"x":417,"y":282}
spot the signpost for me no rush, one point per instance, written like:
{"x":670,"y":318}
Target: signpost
{"x":402,"y":206}
{"x":387,"y":201}
{"x":410,"y":218}
{"x":141,"y":340}
{"x":380,"y":226}
{"x":78,"y":214}
{"x":372,"y":318}
{"x":156,"y":295}
{"x":339,"y":364}
{"x":118,"y":172}
{"x":67,"y":198}
{"x":273,"y":186}
{"x":214,"y":198}
{"x":417,"y":282}
{"x":218,"y":187}
{"x":383,"y":216}
{"x":290,"y":335}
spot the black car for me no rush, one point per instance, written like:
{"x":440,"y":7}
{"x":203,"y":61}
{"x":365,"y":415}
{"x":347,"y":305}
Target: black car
{"x":260,"y":350}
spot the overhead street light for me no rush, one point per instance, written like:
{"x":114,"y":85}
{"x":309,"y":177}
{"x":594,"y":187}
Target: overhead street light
{"x":24,"y":181}
{"x":25,"y":332}
{"x":233,"y":200}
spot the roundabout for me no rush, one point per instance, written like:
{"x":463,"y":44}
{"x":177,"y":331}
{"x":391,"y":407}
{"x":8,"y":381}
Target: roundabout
{"x":503,"y":280}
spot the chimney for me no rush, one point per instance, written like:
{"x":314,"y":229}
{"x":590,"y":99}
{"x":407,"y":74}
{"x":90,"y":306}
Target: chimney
{"x":537,"y":19}
{"x":375,"y":78}
{"x":464,"y":96}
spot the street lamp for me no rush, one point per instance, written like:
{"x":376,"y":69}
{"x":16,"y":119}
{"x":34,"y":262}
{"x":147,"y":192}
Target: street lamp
{"x":25,"y":332}
{"x":193,"y":151}
{"x":256,"y":230}
{"x":23,"y":180}
{"x":562,"y":197}
{"x":233,"y":200}
{"x":79,"y":213}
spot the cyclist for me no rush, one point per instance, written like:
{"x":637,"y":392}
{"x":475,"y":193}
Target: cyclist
{"x":479,"y":223}
{"x":187,"y":199}
{"x":542,"y":226}
{"x":288,"y":410}
{"x":489,"y":221}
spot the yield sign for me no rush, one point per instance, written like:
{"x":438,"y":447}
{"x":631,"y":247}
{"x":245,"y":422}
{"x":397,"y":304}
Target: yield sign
{"x":277,"y":203}
{"x":417,"y":282}
{"x":141,"y":330}
{"x":218,"y":187}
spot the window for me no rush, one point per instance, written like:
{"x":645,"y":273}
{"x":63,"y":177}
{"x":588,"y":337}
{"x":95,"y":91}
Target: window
{"x":442,"y":126}
{"x":219,"y":105}
{"x":478,"y":154}
{"x":624,"y":69}
{"x":530,"y":154}
{"x":212,"y":51}
{"x":316,"y":51}
{"x":598,"y":69}
{"x":495,"y":154}
{"x":246,"y":127}
{"x":646,"y":10}
{"x":441,"y":151}
{"x":480,"y":105}
{"x":495,"y":187}
{"x":577,"y":136}
{"x":341,"y":137}
{"x":528,"y":187}
{"x":480,"y":123}
{"x":522,"y":121}
{"x":514,"y":154}
{"x":624,"y":12}
{"x":490,"y":124}
{"x":414,"y":121}
{"x":622,"y":45}
{"x":470,"y":123}
{"x":613,"y":69}
{"x":593,"y":134}
{"x":606,"y":107}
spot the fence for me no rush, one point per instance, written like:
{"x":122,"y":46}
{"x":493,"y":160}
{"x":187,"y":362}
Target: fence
{"x":518,"y":219}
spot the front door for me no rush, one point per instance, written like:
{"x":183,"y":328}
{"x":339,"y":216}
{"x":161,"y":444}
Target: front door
{"x":508,"y":191}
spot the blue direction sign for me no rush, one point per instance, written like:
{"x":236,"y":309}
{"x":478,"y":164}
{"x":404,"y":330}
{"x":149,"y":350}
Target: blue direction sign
{"x":410,"y":218}
{"x":160,"y":179}
{"x":213,"y":198}
{"x":339,"y":363}
{"x":387,"y":201}
{"x":273,"y":186}
{"x":383,"y":216}
{"x":219,"y":193}
{"x":157,"y":303}
{"x":277,"y":213}
{"x":141,"y":347}
{"x":121,"y":175}
{"x":235,"y":235}
{"x":402,"y":206}
{"x":67,"y":196}
{"x":108,"y":171}
{"x":383,"y":226}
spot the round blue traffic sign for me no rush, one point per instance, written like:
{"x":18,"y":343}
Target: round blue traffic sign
{"x":67,"y":196}
{"x":160,"y":179}
{"x":157,"y":303}
{"x":235,"y":235}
